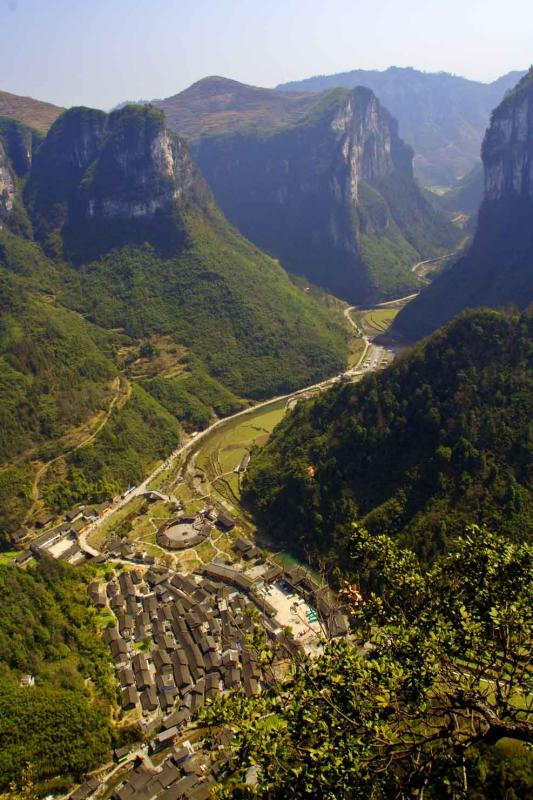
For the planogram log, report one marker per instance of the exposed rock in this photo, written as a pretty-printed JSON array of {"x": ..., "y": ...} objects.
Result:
[
  {"x": 7, "y": 185},
  {"x": 498, "y": 268},
  {"x": 508, "y": 147},
  {"x": 95, "y": 168},
  {"x": 442, "y": 116},
  {"x": 313, "y": 192}
]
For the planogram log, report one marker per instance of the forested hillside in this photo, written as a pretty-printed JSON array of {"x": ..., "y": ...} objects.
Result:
[
  {"x": 438, "y": 440},
  {"x": 129, "y": 306},
  {"x": 60, "y": 726}
]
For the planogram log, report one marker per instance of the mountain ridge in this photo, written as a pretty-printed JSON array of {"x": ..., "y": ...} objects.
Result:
[
  {"x": 127, "y": 270},
  {"x": 442, "y": 116},
  {"x": 37, "y": 114},
  {"x": 215, "y": 104},
  {"x": 437, "y": 441}
]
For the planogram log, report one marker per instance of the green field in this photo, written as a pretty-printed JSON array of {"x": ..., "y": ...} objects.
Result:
[
  {"x": 379, "y": 320},
  {"x": 356, "y": 350},
  {"x": 222, "y": 451}
]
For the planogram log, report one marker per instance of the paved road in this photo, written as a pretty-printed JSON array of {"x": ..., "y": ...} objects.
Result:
[
  {"x": 421, "y": 274},
  {"x": 372, "y": 354},
  {"x": 142, "y": 488}
]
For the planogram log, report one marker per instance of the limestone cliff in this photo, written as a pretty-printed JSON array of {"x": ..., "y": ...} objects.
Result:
[
  {"x": 100, "y": 179},
  {"x": 141, "y": 169},
  {"x": 332, "y": 195},
  {"x": 7, "y": 186},
  {"x": 17, "y": 143},
  {"x": 508, "y": 146},
  {"x": 498, "y": 269}
]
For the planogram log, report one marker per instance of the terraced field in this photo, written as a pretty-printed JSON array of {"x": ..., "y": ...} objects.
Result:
[
  {"x": 223, "y": 451},
  {"x": 379, "y": 320}
]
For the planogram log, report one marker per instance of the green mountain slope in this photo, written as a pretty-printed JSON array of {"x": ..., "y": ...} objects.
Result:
[
  {"x": 332, "y": 196},
  {"x": 438, "y": 440},
  {"x": 136, "y": 307},
  {"x": 442, "y": 116},
  {"x": 61, "y": 726},
  {"x": 498, "y": 269}
]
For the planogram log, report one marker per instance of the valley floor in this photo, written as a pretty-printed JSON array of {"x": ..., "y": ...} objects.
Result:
[{"x": 203, "y": 477}]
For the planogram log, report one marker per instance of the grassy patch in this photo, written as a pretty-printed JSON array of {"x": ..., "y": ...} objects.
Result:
[
  {"x": 8, "y": 557},
  {"x": 357, "y": 348},
  {"x": 379, "y": 320}
]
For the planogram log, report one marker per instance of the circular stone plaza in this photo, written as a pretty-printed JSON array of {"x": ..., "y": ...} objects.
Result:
[{"x": 183, "y": 532}]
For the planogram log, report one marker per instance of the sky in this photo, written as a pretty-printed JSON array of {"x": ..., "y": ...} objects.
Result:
[{"x": 101, "y": 52}]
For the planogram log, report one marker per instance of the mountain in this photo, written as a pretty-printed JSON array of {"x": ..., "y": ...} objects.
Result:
[
  {"x": 437, "y": 441},
  {"x": 220, "y": 105},
  {"x": 331, "y": 195},
  {"x": 467, "y": 194},
  {"x": 442, "y": 116},
  {"x": 498, "y": 268},
  {"x": 31, "y": 112},
  {"x": 135, "y": 307}
]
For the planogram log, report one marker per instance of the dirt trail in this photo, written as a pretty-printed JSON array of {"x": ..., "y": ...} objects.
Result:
[{"x": 120, "y": 398}]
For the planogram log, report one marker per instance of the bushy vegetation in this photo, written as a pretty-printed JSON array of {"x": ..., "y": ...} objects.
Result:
[
  {"x": 15, "y": 497},
  {"x": 55, "y": 369},
  {"x": 136, "y": 435},
  {"x": 193, "y": 397},
  {"x": 61, "y": 725},
  {"x": 438, "y": 440},
  {"x": 233, "y": 307},
  {"x": 444, "y": 676}
]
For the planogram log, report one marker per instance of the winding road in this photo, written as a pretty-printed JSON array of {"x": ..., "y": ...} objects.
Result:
[{"x": 376, "y": 353}]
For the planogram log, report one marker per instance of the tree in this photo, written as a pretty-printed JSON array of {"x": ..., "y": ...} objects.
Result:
[{"x": 446, "y": 668}]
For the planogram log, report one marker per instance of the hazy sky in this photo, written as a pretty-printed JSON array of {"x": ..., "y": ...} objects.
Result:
[{"x": 99, "y": 52}]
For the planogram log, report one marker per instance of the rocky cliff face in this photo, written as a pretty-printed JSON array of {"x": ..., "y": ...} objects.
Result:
[
  {"x": 498, "y": 269},
  {"x": 365, "y": 139},
  {"x": 442, "y": 116},
  {"x": 141, "y": 169},
  {"x": 332, "y": 196},
  {"x": 508, "y": 146},
  {"x": 95, "y": 170},
  {"x": 7, "y": 185},
  {"x": 17, "y": 143}
]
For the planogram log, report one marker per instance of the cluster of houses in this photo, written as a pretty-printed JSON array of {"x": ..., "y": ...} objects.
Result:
[
  {"x": 178, "y": 640},
  {"x": 185, "y": 774}
]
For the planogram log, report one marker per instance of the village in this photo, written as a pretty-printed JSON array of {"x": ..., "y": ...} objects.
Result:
[
  {"x": 179, "y": 641},
  {"x": 192, "y": 605},
  {"x": 179, "y": 638}
]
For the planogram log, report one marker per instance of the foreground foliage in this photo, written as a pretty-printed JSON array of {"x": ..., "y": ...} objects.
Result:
[{"x": 445, "y": 675}]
